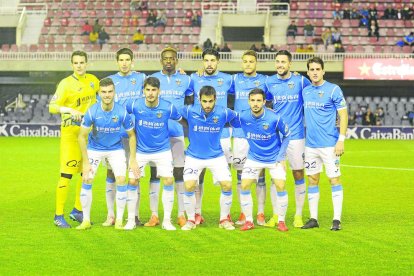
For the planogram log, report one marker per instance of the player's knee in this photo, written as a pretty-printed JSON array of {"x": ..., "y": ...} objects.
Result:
[
  {"x": 153, "y": 177},
  {"x": 334, "y": 181},
  {"x": 313, "y": 179},
  {"x": 178, "y": 174},
  {"x": 298, "y": 174},
  {"x": 190, "y": 186},
  {"x": 110, "y": 174},
  {"x": 280, "y": 186},
  {"x": 120, "y": 180},
  {"x": 168, "y": 181},
  {"x": 245, "y": 185},
  {"x": 66, "y": 175},
  {"x": 225, "y": 186}
]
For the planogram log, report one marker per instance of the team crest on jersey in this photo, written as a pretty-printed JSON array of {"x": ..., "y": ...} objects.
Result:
[
  {"x": 257, "y": 83},
  {"x": 159, "y": 114},
  {"x": 133, "y": 81},
  {"x": 92, "y": 85},
  {"x": 178, "y": 82},
  {"x": 215, "y": 119},
  {"x": 320, "y": 93},
  {"x": 265, "y": 126},
  {"x": 220, "y": 82},
  {"x": 291, "y": 85},
  {"x": 115, "y": 119}
]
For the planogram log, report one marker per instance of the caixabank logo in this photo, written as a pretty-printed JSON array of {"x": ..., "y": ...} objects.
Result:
[
  {"x": 381, "y": 133},
  {"x": 29, "y": 130}
]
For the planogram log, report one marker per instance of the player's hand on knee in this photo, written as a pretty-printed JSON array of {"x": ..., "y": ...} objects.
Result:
[
  {"x": 86, "y": 172},
  {"x": 133, "y": 166}
]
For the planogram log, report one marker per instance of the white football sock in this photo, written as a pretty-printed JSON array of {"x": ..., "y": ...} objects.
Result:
[
  {"x": 313, "y": 199},
  {"x": 168, "y": 201},
  {"x": 282, "y": 205},
  {"x": 246, "y": 203},
  {"x": 189, "y": 204},
  {"x": 300, "y": 192},
  {"x": 154, "y": 197},
  {"x": 261, "y": 194},
  {"x": 199, "y": 197},
  {"x": 121, "y": 196},
  {"x": 179, "y": 187},
  {"x": 110, "y": 196},
  {"x": 273, "y": 198},
  {"x": 132, "y": 197},
  {"x": 138, "y": 200},
  {"x": 86, "y": 200},
  {"x": 226, "y": 199},
  {"x": 337, "y": 199}
]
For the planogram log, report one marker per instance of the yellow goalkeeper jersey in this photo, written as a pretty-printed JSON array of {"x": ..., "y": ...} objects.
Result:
[{"x": 76, "y": 92}]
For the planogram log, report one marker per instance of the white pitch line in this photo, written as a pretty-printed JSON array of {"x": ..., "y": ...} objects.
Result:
[{"x": 379, "y": 168}]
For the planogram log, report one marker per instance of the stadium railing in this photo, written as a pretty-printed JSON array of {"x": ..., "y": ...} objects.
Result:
[{"x": 233, "y": 56}]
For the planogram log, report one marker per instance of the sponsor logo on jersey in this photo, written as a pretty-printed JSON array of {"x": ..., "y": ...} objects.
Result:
[
  {"x": 115, "y": 118},
  {"x": 291, "y": 84},
  {"x": 265, "y": 126},
  {"x": 215, "y": 119},
  {"x": 220, "y": 82},
  {"x": 159, "y": 114}
]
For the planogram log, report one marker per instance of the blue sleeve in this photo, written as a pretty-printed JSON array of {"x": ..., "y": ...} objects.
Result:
[
  {"x": 231, "y": 89},
  {"x": 190, "y": 90},
  {"x": 129, "y": 106},
  {"x": 338, "y": 98},
  {"x": 128, "y": 123},
  {"x": 174, "y": 114},
  {"x": 87, "y": 121},
  {"x": 305, "y": 82},
  {"x": 283, "y": 129},
  {"x": 269, "y": 95},
  {"x": 230, "y": 115},
  {"x": 235, "y": 122}
]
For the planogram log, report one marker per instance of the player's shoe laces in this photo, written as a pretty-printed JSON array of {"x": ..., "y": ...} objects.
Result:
[
  {"x": 138, "y": 222},
  {"x": 118, "y": 224},
  {"x": 260, "y": 219},
  {"x": 190, "y": 225},
  {"x": 311, "y": 223},
  {"x": 272, "y": 221},
  {"x": 281, "y": 226},
  {"x": 241, "y": 220},
  {"x": 130, "y": 225},
  {"x": 154, "y": 221},
  {"x": 181, "y": 221},
  {"x": 199, "y": 219},
  {"x": 298, "y": 222},
  {"x": 225, "y": 224},
  {"x": 336, "y": 225},
  {"x": 84, "y": 225},
  {"x": 76, "y": 215},
  {"x": 247, "y": 226},
  {"x": 110, "y": 221},
  {"x": 60, "y": 222},
  {"x": 167, "y": 225}
]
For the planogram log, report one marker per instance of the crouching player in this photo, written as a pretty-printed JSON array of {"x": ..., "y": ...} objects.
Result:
[
  {"x": 267, "y": 149},
  {"x": 106, "y": 119}
]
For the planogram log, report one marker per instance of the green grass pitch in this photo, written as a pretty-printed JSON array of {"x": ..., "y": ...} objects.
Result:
[{"x": 377, "y": 236}]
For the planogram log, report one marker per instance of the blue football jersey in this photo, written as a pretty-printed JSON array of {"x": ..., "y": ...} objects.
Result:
[
  {"x": 151, "y": 124},
  {"x": 204, "y": 131},
  {"x": 242, "y": 87},
  {"x": 106, "y": 131},
  {"x": 321, "y": 104},
  {"x": 222, "y": 83},
  {"x": 128, "y": 87},
  {"x": 174, "y": 89},
  {"x": 263, "y": 135},
  {"x": 286, "y": 96}
]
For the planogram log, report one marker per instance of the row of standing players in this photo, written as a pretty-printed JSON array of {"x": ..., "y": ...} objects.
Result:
[{"x": 257, "y": 141}]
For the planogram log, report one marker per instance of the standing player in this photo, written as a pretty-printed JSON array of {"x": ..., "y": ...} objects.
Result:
[
  {"x": 205, "y": 125},
  {"x": 285, "y": 97},
  {"x": 267, "y": 150},
  {"x": 223, "y": 84},
  {"x": 243, "y": 84},
  {"x": 151, "y": 128},
  {"x": 174, "y": 89},
  {"x": 128, "y": 86},
  {"x": 324, "y": 145},
  {"x": 73, "y": 96},
  {"x": 107, "y": 118}
]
